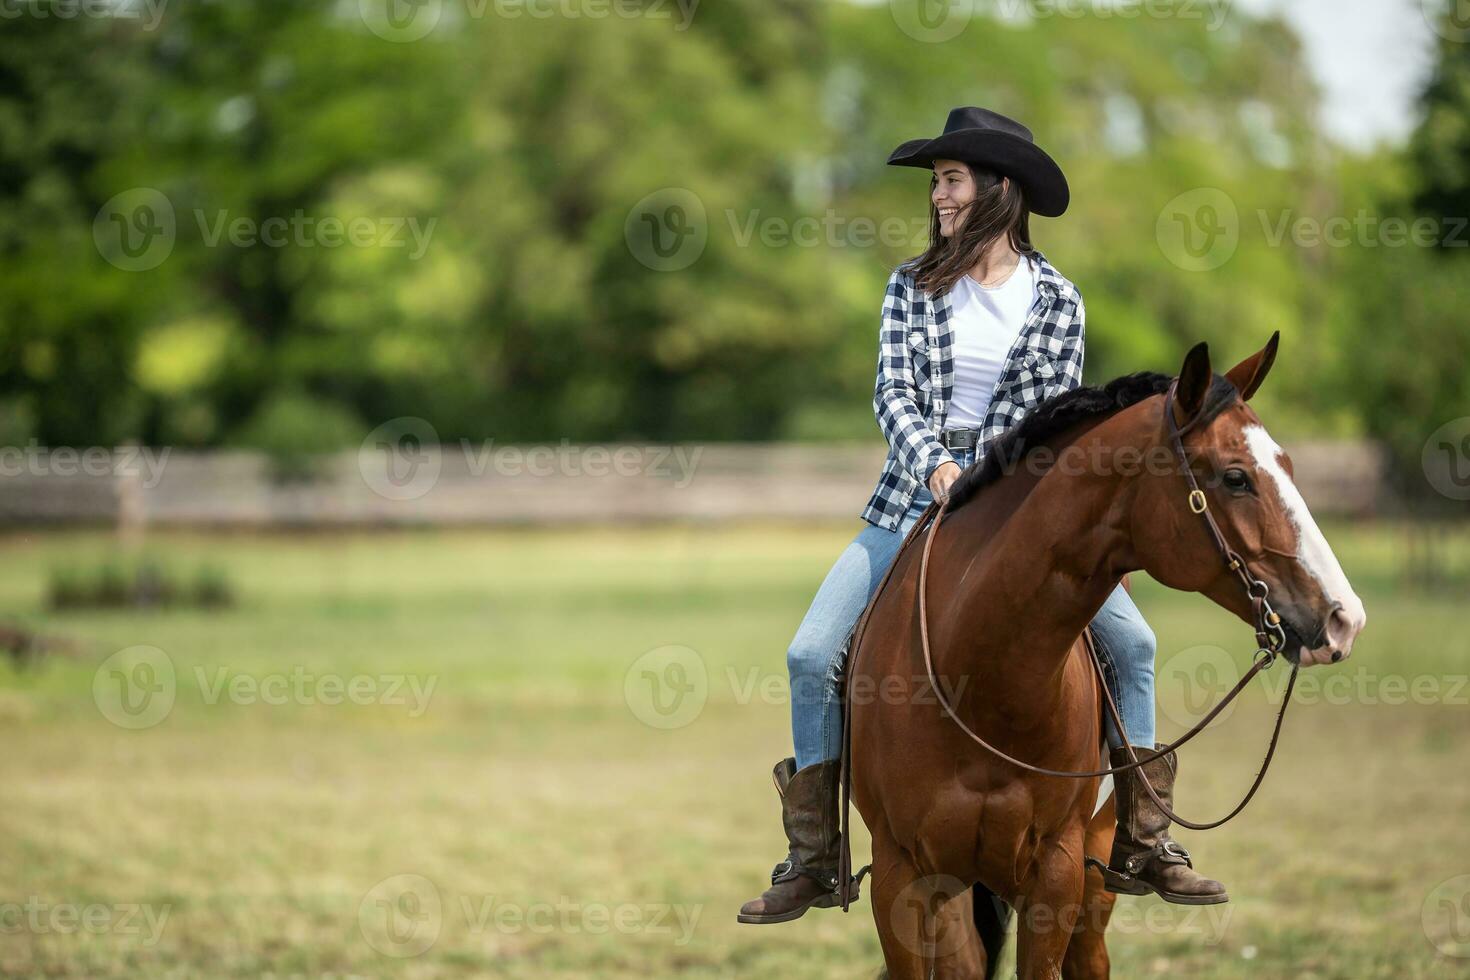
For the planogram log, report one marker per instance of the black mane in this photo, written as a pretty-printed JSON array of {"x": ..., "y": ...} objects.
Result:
[{"x": 1062, "y": 412}]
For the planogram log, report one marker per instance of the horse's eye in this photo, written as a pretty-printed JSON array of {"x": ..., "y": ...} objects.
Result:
[{"x": 1237, "y": 481}]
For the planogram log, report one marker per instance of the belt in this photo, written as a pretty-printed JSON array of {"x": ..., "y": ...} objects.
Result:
[{"x": 959, "y": 438}]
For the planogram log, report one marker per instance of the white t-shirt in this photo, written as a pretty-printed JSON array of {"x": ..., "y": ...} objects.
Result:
[{"x": 986, "y": 322}]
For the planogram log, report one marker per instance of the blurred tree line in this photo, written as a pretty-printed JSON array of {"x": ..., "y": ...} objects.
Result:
[{"x": 520, "y": 145}]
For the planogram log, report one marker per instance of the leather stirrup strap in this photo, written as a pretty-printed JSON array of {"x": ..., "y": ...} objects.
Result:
[{"x": 845, "y": 880}]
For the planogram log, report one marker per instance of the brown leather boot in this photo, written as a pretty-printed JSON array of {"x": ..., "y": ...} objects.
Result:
[
  {"x": 1145, "y": 858},
  {"x": 808, "y": 877}
]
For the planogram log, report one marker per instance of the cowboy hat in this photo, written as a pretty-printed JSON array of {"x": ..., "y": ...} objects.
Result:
[{"x": 997, "y": 143}]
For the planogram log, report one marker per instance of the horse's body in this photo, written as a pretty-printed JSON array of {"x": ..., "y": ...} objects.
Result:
[
  {"x": 1015, "y": 574},
  {"x": 1006, "y": 641}
]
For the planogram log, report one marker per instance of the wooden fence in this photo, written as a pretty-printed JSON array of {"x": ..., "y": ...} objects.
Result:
[{"x": 548, "y": 484}]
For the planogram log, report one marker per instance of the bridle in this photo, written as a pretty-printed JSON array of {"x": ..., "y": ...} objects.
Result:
[{"x": 1270, "y": 640}]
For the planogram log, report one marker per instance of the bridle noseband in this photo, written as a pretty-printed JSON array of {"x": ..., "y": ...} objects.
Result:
[{"x": 1270, "y": 634}]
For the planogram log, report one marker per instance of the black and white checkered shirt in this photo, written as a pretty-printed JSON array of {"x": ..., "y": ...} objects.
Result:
[{"x": 916, "y": 376}]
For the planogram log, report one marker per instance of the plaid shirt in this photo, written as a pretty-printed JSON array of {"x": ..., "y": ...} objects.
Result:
[{"x": 915, "y": 378}]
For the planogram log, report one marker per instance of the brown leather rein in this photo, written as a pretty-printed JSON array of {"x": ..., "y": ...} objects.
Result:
[{"x": 1270, "y": 639}]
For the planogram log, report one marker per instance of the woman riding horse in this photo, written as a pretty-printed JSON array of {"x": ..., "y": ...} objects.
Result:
[{"x": 976, "y": 331}]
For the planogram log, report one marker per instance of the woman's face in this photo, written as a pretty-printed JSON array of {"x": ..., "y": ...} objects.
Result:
[{"x": 954, "y": 187}]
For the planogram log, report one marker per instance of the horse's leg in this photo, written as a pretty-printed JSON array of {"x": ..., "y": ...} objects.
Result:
[
  {"x": 902, "y": 925},
  {"x": 924, "y": 921},
  {"x": 1048, "y": 908},
  {"x": 959, "y": 953},
  {"x": 1087, "y": 954}
]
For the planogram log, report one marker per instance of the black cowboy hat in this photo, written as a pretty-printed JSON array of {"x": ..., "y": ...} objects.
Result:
[{"x": 997, "y": 143}]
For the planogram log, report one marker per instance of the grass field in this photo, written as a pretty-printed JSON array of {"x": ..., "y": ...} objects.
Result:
[{"x": 502, "y": 791}]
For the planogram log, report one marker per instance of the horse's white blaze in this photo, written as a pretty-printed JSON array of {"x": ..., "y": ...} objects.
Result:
[{"x": 1312, "y": 548}]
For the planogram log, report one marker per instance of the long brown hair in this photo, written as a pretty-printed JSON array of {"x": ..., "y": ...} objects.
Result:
[{"x": 999, "y": 208}]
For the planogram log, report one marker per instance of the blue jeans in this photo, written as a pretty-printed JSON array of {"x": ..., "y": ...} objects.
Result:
[{"x": 1126, "y": 643}]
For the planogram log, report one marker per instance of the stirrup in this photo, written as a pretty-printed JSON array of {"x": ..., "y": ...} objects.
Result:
[{"x": 789, "y": 869}]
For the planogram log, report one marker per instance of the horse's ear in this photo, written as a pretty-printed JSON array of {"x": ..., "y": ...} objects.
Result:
[
  {"x": 1194, "y": 382},
  {"x": 1249, "y": 373}
]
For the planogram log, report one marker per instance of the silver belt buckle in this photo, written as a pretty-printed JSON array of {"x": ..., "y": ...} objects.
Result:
[{"x": 965, "y": 438}]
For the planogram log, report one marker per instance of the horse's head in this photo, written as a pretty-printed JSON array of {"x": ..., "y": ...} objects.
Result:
[{"x": 1248, "y": 488}]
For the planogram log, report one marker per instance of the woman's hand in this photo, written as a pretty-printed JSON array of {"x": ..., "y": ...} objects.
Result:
[{"x": 944, "y": 474}]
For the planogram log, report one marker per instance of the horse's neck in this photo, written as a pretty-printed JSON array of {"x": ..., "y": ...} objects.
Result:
[{"x": 1029, "y": 562}]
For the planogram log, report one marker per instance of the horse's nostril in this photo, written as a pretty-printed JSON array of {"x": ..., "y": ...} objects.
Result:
[{"x": 1338, "y": 632}]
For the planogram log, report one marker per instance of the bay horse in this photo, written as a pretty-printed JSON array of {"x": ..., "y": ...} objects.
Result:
[{"x": 1034, "y": 537}]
